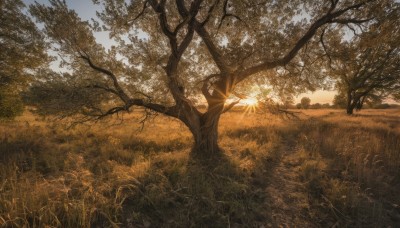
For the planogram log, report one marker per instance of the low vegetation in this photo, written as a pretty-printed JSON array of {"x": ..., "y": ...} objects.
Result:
[{"x": 324, "y": 169}]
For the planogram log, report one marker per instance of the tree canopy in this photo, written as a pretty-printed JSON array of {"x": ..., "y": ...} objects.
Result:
[
  {"x": 305, "y": 102},
  {"x": 367, "y": 68},
  {"x": 23, "y": 50},
  {"x": 172, "y": 55}
]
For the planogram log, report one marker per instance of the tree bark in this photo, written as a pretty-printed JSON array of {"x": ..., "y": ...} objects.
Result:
[
  {"x": 206, "y": 140},
  {"x": 205, "y": 133},
  {"x": 349, "y": 110},
  {"x": 350, "y": 104}
]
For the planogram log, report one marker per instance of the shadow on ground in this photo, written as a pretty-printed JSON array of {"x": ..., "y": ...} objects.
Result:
[
  {"x": 318, "y": 174},
  {"x": 196, "y": 194},
  {"x": 305, "y": 173}
]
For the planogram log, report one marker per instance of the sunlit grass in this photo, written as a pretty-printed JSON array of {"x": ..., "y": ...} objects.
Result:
[{"x": 121, "y": 175}]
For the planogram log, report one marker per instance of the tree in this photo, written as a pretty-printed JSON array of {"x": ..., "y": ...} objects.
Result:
[
  {"x": 305, "y": 102},
  {"x": 340, "y": 101},
  {"x": 367, "y": 67},
  {"x": 288, "y": 102},
  {"x": 22, "y": 51},
  {"x": 172, "y": 52},
  {"x": 374, "y": 75},
  {"x": 316, "y": 106},
  {"x": 326, "y": 105}
]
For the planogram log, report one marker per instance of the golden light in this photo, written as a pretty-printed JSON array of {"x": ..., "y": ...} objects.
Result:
[
  {"x": 251, "y": 104},
  {"x": 251, "y": 101}
]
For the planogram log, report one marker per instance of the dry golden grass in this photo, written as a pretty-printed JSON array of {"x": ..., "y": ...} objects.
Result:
[{"x": 325, "y": 169}]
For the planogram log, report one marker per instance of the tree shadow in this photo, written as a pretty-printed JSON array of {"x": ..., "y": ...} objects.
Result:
[{"x": 196, "y": 193}]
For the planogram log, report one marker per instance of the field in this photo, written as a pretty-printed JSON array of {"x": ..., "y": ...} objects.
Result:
[{"x": 325, "y": 169}]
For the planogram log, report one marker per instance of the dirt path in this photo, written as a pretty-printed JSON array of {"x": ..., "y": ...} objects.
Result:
[{"x": 288, "y": 198}]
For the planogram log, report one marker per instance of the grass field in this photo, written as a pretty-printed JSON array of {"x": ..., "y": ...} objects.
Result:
[{"x": 325, "y": 169}]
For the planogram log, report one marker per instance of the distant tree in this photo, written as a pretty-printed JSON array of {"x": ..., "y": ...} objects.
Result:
[
  {"x": 368, "y": 66},
  {"x": 305, "y": 102},
  {"x": 22, "y": 50},
  {"x": 316, "y": 106},
  {"x": 382, "y": 106},
  {"x": 198, "y": 48},
  {"x": 326, "y": 105},
  {"x": 298, "y": 105},
  {"x": 395, "y": 106},
  {"x": 340, "y": 100}
]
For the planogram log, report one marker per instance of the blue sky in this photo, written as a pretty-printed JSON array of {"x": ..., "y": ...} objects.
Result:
[{"x": 86, "y": 10}]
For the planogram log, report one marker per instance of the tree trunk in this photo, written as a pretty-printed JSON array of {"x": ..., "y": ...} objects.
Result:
[
  {"x": 206, "y": 134},
  {"x": 350, "y": 104},
  {"x": 349, "y": 110},
  {"x": 206, "y": 141},
  {"x": 205, "y": 129}
]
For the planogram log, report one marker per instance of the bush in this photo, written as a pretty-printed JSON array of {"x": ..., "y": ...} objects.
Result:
[{"x": 10, "y": 104}]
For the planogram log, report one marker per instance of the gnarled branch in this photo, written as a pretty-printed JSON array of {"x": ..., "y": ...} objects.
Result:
[
  {"x": 230, "y": 106},
  {"x": 328, "y": 18},
  {"x": 120, "y": 92}
]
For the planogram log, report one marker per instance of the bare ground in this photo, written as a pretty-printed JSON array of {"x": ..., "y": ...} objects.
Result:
[{"x": 287, "y": 192}]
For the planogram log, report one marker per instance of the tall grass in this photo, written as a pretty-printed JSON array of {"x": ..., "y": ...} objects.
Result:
[
  {"x": 351, "y": 166},
  {"x": 119, "y": 176}
]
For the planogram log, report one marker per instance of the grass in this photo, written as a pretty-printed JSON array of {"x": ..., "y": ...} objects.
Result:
[{"x": 325, "y": 169}]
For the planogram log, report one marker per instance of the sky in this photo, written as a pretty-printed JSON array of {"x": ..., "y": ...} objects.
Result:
[
  {"x": 87, "y": 10},
  {"x": 319, "y": 96}
]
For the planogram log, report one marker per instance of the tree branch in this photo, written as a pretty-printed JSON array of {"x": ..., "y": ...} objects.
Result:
[
  {"x": 321, "y": 38},
  {"x": 160, "y": 9},
  {"x": 230, "y": 106},
  {"x": 210, "y": 11},
  {"x": 205, "y": 87},
  {"x": 104, "y": 88},
  {"x": 350, "y": 21},
  {"x": 219, "y": 60},
  {"x": 141, "y": 12},
  {"x": 226, "y": 14},
  {"x": 333, "y": 5},
  {"x": 120, "y": 92},
  {"x": 199, "y": 28},
  {"x": 329, "y": 17},
  {"x": 170, "y": 111}
]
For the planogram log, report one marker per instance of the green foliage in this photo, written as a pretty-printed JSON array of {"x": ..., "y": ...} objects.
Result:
[
  {"x": 305, "y": 102},
  {"x": 22, "y": 52},
  {"x": 340, "y": 101},
  {"x": 67, "y": 95},
  {"x": 161, "y": 59},
  {"x": 11, "y": 104},
  {"x": 367, "y": 67}
]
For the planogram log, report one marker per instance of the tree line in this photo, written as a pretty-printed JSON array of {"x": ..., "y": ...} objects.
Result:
[{"x": 337, "y": 103}]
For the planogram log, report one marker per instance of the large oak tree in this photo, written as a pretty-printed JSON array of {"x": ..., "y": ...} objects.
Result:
[{"x": 172, "y": 54}]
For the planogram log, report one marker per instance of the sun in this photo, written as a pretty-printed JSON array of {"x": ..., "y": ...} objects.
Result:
[{"x": 251, "y": 101}]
